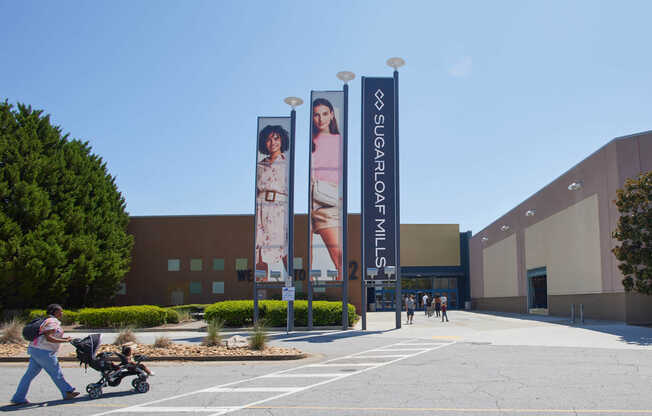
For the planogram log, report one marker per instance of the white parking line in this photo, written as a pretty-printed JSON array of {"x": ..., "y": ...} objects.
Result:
[
  {"x": 170, "y": 409},
  {"x": 330, "y": 377},
  {"x": 304, "y": 375},
  {"x": 344, "y": 365},
  {"x": 386, "y": 356},
  {"x": 400, "y": 349},
  {"x": 252, "y": 389}
]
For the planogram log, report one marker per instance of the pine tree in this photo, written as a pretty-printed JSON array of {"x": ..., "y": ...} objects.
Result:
[
  {"x": 634, "y": 231},
  {"x": 63, "y": 224}
]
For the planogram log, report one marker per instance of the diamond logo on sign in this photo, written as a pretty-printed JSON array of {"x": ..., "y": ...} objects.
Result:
[{"x": 379, "y": 100}]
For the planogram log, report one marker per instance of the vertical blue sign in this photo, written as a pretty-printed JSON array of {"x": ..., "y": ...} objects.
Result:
[{"x": 378, "y": 177}]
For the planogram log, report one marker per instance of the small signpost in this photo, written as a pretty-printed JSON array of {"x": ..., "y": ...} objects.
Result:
[{"x": 288, "y": 293}]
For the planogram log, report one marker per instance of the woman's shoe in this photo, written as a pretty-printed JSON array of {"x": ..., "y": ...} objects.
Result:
[{"x": 71, "y": 395}]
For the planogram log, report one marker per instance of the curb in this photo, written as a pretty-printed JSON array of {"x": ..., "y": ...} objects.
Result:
[
  {"x": 203, "y": 329},
  {"x": 184, "y": 358}
]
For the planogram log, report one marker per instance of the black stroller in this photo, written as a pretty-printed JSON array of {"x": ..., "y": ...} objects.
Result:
[{"x": 112, "y": 374}]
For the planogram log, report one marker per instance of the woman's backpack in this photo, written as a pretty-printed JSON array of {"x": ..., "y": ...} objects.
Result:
[{"x": 32, "y": 330}]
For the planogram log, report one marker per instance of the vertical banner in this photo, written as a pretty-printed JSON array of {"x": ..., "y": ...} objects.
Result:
[
  {"x": 379, "y": 220},
  {"x": 326, "y": 185},
  {"x": 272, "y": 202}
]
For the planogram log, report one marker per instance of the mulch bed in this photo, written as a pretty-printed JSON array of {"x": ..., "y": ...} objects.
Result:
[{"x": 177, "y": 351}]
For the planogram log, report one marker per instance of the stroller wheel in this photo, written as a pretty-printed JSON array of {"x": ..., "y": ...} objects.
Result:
[
  {"x": 95, "y": 393},
  {"x": 89, "y": 388},
  {"x": 135, "y": 382},
  {"x": 142, "y": 386}
]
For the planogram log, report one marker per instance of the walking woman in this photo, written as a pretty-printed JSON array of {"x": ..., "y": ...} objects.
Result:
[
  {"x": 325, "y": 180},
  {"x": 43, "y": 356}
]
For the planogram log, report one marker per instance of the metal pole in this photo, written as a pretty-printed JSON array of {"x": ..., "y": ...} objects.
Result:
[
  {"x": 582, "y": 313},
  {"x": 572, "y": 313},
  {"x": 309, "y": 303},
  {"x": 255, "y": 297},
  {"x": 345, "y": 216},
  {"x": 398, "y": 205},
  {"x": 290, "y": 257},
  {"x": 363, "y": 268}
]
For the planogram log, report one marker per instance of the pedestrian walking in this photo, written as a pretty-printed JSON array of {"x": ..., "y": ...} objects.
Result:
[
  {"x": 411, "y": 305},
  {"x": 43, "y": 356},
  {"x": 430, "y": 307},
  {"x": 444, "y": 308},
  {"x": 437, "y": 306},
  {"x": 425, "y": 304}
]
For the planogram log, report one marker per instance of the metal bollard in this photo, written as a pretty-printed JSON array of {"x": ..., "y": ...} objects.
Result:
[
  {"x": 572, "y": 314},
  {"x": 582, "y": 313}
]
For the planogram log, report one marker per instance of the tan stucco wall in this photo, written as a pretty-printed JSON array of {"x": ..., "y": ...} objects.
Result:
[
  {"x": 430, "y": 245},
  {"x": 500, "y": 269},
  {"x": 568, "y": 244}
]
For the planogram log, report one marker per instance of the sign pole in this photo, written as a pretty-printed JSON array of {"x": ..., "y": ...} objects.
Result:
[
  {"x": 398, "y": 204},
  {"x": 290, "y": 258},
  {"x": 344, "y": 266},
  {"x": 363, "y": 265}
]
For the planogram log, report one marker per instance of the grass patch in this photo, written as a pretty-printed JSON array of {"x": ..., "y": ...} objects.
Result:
[
  {"x": 124, "y": 336},
  {"x": 12, "y": 332},
  {"x": 162, "y": 342},
  {"x": 213, "y": 335},
  {"x": 258, "y": 339}
]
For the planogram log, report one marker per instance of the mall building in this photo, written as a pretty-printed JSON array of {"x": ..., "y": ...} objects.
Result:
[
  {"x": 554, "y": 250},
  {"x": 205, "y": 259},
  {"x": 550, "y": 252}
]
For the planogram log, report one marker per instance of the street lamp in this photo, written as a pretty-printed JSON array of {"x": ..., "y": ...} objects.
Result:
[
  {"x": 345, "y": 76},
  {"x": 293, "y": 102},
  {"x": 395, "y": 62}
]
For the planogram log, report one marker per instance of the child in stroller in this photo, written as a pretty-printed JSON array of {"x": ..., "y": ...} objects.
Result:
[{"x": 112, "y": 374}]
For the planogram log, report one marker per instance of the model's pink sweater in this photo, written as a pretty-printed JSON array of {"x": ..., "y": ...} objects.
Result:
[{"x": 326, "y": 163}]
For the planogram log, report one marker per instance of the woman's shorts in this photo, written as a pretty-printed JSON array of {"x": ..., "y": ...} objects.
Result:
[
  {"x": 410, "y": 312},
  {"x": 326, "y": 217}
]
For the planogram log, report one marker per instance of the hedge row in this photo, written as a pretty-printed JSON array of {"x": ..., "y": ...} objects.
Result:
[
  {"x": 139, "y": 316},
  {"x": 239, "y": 313}
]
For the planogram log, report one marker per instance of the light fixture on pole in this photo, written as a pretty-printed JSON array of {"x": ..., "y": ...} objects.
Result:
[
  {"x": 395, "y": 62},
  {"x": 345, "y": 76},
  {"x": 575, "y": 186},
  {"x": 530, "y": 212},
  {"x": 293, "y": 101}
]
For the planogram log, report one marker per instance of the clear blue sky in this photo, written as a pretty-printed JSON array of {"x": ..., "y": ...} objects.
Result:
[{"x": 497, "y": 98}]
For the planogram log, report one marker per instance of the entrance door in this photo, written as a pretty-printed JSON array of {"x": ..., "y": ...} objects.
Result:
[{"x": 538, "y": 288}]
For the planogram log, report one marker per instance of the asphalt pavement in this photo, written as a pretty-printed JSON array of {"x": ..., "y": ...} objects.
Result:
[{"x": 476, "y": 364}]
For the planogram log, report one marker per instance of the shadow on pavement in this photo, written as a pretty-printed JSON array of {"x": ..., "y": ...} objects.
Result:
[
  {"x": 52, "y": 403},
  {"x": 307, "y": 336},
  {"x": 629, "y": 334}
]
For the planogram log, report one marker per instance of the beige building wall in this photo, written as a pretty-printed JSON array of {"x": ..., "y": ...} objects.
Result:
[
  {"x": 500, "y": 269},
  {"x": 568, "y": 244},
  {"x": 430, "y": 244}
]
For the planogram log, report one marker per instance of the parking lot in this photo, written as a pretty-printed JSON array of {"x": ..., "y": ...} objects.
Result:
[{"x": 476, "y": 364}]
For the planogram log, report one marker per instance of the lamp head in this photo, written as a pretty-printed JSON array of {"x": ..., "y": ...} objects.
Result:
[
  {"x": 395, "y": 62},
  {"x": 346, "y": 76},
  {"x": 293, "y": 101}
]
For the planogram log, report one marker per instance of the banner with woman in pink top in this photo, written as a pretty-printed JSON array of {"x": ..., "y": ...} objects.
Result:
[{"x": 326, "y": 185}]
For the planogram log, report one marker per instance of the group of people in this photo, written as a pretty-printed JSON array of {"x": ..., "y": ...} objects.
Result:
[{"x": 438, "y": 305}]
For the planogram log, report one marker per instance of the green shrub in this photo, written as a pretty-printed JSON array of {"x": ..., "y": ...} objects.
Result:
[
  {"x": 171, "y": 316},
  {"x": 68, "y": 318},
  {"x": 239, "y": 313},
  {"x": 138, "y": 316}
]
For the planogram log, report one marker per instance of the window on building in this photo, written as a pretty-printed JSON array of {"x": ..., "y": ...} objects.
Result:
[
  {"x": 195, "y": 288},
  {"x": 218, "y": 287},
  {"x": 298, "y": 263},
  {"x": 196, "y": 265},
  {"x": 174, "y": 265},
  {"x": 241, "y": 264},
  {"x": 122, "y": 290},
  {"x": 218, "y": 265}
]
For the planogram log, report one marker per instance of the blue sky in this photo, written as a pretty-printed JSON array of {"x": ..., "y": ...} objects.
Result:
[{"x": 497, "y": 99}]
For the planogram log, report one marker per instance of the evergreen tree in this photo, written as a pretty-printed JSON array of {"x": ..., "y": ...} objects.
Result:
[
  {"x": 63, "y": 224},
  {"x": 634, "y": 231}
]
